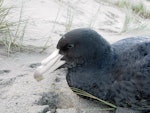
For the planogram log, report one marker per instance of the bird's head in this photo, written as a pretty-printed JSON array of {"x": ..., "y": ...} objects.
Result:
[{"x": 77, "y": 47}]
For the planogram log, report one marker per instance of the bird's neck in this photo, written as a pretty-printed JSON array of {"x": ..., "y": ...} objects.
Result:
[
  {"x": 102, "y": 60},
  {"x": 103, "y": 65}
]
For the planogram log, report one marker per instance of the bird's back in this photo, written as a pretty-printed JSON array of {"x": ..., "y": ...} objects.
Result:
[
  {"x": 132, "y": 72},
  {"x": 125, "y": 44}
]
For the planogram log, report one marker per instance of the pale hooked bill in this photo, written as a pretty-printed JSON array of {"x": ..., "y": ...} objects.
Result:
[{"x": 50, "y": 63}]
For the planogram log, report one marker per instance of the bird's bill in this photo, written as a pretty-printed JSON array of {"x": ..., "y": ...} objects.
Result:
[{"x": 51, "y": 63}]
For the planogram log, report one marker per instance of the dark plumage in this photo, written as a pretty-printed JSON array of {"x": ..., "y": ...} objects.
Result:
[{"x": 118, "y": 73}]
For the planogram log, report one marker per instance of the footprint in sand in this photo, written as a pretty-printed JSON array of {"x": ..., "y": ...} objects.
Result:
[
  {"x": 6, "y": 82},
  {"x": 4, "y": 71}
]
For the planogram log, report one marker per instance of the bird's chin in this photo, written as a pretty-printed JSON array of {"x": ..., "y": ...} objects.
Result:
[{"x": 50, "y": 63}]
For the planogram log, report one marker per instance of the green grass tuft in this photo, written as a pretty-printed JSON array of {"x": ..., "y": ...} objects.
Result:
[
  {"x": 137, "y": 15},
  {"x": 86, "y": 94},
  {"x": 12, "y": 33},
  {"x": 69, "y": 18},
  {"x": 138, "y": 8}
]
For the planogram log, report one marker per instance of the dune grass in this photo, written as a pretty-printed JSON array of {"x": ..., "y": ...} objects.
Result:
[
  {"x": 94, "y": 18},
  {"x": 138, "y": 8},
  {"x": 12, "y": 33},
  {"x": 69, "y": 19},
  {"x": 86, "y": 94},
  {"x": 3, "y": 14},
  {"x": 67, "y": 24},
  {"x": 137, "y": 16}
]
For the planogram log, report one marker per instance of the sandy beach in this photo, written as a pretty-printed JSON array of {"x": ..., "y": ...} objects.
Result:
[{"x": 47, "y": 20}]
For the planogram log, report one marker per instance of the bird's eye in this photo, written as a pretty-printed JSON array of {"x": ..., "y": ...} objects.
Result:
[
  {"x": 70, "y": 46},
  {"x": 67, "y": 47}
]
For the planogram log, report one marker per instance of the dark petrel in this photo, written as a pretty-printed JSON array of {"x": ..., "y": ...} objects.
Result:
[{"x": 118, "y": 73}]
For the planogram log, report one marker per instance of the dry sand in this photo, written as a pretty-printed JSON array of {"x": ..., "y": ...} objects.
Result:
[{"x": 19, "y": 92}]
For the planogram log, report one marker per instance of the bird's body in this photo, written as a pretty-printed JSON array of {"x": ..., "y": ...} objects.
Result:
[
  {"x": 118, "y": 73},
  {"x": 123, "y": 78}
]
